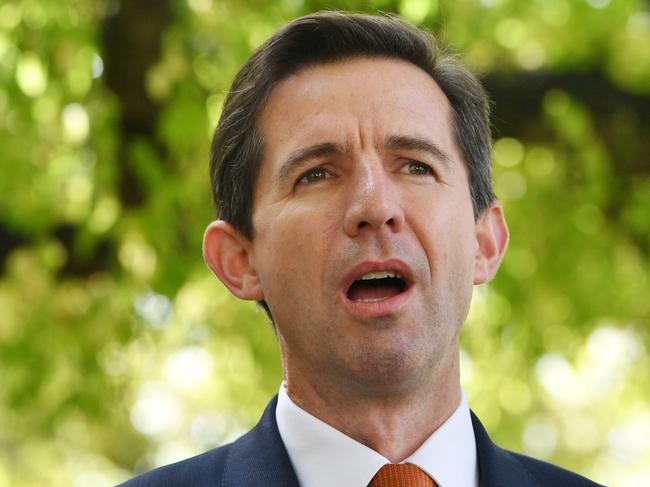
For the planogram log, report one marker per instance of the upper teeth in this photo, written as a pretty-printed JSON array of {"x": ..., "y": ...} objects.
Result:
[{"x": 379, "y": 275}]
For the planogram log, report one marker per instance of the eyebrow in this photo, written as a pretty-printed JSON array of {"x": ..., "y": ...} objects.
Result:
[
  {"x": 300, "y": 157},
  {"x": 407, "y": 142}
]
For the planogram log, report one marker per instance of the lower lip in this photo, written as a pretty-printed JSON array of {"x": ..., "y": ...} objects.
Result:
[{"x": 377, "y": 309}]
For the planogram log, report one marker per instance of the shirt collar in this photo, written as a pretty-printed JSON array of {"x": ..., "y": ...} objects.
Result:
[{"x": 323, "y": 456}]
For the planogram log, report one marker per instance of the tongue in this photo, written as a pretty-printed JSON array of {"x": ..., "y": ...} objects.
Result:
[{"x": 375, "y": 289}]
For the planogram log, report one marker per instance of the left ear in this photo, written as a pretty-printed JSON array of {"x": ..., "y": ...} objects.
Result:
[{"x": 492, "y": 238}]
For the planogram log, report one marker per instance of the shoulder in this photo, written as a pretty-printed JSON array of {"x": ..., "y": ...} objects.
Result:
[
  {"x": 547, "y": 474},
  {"x": 258, "y": 458},
  {"x": 500, "y": 468},
  {"x": 201, "y": 470}
]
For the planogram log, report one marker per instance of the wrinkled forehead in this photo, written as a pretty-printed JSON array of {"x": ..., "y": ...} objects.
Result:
[{"x": 343, "y": 101}]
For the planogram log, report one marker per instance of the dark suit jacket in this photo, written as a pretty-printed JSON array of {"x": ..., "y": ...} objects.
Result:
[{"x": 259, "y": 458}]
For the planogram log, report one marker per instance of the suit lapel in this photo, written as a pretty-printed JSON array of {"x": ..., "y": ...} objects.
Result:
[
  {"x": 259, "y": 458},
  {"x": 498, "y": 467}
]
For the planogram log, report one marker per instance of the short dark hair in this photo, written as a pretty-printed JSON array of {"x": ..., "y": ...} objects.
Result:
[{"x": 325, "y": 37}]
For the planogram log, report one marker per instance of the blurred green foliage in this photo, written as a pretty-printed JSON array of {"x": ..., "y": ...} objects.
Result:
[{"x": 119, "y": 351}]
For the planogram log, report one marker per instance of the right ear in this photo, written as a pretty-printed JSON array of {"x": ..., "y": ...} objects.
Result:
[{"x": 227, "y": 253}]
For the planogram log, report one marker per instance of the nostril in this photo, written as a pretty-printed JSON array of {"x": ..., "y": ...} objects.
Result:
[{"x": 363, "y": 223}]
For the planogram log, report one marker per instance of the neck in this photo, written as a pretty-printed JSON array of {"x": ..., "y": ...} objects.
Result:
[{"x": 393, "y": 424}]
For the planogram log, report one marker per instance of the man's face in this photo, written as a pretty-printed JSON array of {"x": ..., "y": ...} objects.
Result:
[{"x": 365, "y": 237}]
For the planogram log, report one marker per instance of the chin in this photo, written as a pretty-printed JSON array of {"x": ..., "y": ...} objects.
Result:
[{"x": 390, "y": 371}]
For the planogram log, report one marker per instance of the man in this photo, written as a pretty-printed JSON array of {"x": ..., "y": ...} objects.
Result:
[{"x": 351, "y": 168}]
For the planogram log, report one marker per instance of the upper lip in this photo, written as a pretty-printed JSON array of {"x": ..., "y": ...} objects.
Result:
[{"x": 395, "y": 265}]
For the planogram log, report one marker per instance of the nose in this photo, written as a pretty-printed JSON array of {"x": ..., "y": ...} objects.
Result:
[{"x": 374, "y": 202}]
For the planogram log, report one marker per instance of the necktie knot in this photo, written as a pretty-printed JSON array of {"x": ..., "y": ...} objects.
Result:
[{"x": 401, "y": 475}]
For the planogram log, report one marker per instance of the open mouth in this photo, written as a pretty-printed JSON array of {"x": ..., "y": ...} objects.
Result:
[{"x": 376, "y": 286}]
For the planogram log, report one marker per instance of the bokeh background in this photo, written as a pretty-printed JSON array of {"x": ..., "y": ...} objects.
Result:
[{"x": 118, "y": 349}]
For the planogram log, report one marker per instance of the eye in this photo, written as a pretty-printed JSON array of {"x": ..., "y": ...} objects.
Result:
[
  {"x": 314, "y": 175},
  {"x": 417, "y": 168}
]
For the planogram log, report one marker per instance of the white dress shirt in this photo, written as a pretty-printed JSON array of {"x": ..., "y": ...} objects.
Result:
[{"x": 322, "y": 456}]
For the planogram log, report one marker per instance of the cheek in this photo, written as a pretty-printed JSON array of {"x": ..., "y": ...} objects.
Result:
[
  {"x": 290, "y": 254},
  {"x": 462, "y": 250},
  {"x": 446, "y": 230}
]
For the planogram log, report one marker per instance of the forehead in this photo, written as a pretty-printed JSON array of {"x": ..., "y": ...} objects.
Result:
[{"x": 352, "y": 103}]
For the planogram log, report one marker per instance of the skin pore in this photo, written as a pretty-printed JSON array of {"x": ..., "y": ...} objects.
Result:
[{"x": 361, "y": 174}]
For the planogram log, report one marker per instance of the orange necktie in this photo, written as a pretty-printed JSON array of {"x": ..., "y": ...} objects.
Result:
[{"x": 401, "y": 475}]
